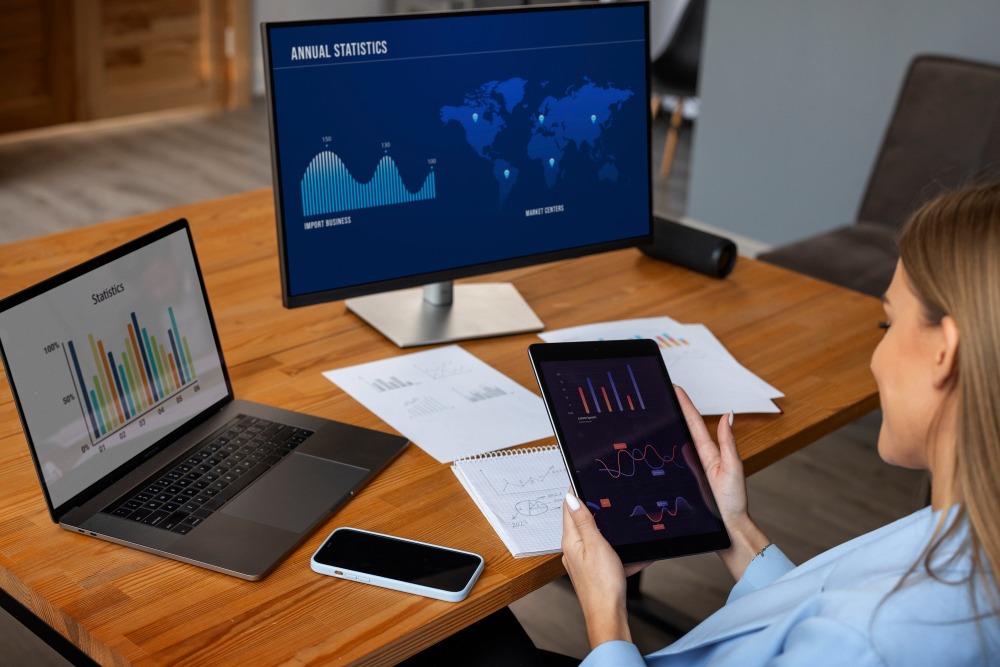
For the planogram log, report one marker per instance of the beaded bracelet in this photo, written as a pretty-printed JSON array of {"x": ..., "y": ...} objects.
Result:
[{"x": 761, "y": 552}]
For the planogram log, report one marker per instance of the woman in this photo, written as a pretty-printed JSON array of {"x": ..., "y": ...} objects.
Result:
[{"x": 921, "y": 590}]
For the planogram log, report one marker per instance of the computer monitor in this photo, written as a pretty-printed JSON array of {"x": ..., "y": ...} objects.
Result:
[{"x": 417, "y": 149}]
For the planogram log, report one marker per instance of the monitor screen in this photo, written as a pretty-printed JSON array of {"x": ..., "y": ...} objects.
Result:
[{"x": 419, "y": 148}]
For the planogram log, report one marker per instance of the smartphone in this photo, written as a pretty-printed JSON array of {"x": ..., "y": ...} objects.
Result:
[{"x": 397, "y": 563}]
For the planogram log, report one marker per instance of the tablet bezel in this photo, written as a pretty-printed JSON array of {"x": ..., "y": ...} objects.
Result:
[{"x": 633, "y": 552}]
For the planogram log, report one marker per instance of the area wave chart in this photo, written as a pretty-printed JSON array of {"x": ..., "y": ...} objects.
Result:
[{"x": 328, "y": 187}]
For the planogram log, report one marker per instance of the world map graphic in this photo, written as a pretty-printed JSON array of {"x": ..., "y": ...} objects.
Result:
[{"x": 557, "y": 130}]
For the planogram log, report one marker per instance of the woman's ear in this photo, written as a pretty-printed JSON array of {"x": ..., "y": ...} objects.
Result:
[{"x": 946, "y": 356}]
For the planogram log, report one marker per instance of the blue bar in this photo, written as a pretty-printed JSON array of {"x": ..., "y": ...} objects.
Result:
[
  {"x": 638, "y": 395},
  {"x": 181, "y": 359},
  {"x": 152, "y": 355},
  {"x": 93, "y": 397},
  {"x": 615, "y": 389},
  {"x": 142, "y": 351},
  {"x": 118, "y": 384},
  {"x": 593, "y": 394},
  {"x": 83, "y": 389},
  {"x": 128, "y": 391},
  {"x": 173, "y": 346}
]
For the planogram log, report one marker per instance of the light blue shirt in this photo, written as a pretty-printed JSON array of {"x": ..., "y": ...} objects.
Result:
[{"x": 836, "y": 609}]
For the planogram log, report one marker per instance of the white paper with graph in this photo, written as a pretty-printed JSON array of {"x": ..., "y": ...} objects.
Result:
[{"x": 521, "y": 492}]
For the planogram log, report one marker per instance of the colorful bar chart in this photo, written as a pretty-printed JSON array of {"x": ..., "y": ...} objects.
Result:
[
  {"x": 133, "y": 379},
  {"x": 328, "y": 187},
  {"x": 602, "y": 401}
]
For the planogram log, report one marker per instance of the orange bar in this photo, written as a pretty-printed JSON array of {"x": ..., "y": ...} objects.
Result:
[
  {"x": 140, "y": 365},
  {"x": 111, "y": 380},
  {"x": 606, "y": 401},
  {"x": 659, "y": 526},
  {"x": 173, "y": 368},
  {"x": 620, "y": 445},
  {"x": 584, "y": 399},
  {"x": 630, "y": 406}
]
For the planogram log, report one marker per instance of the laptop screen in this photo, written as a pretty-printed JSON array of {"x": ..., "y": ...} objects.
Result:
[{"x": 108, "y": 358}]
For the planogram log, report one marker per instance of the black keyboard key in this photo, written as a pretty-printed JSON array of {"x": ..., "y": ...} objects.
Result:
[
  {"x": 156, "y": 517},
  {"x": 140, "y": 514},
  {"x": 173, "y": 520},
  {"x": 181, "y": 528},
  {"x": 123, "y": 511}
]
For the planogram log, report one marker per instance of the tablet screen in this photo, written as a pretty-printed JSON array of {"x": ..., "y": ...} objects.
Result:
[{"x": 627, "y": 447}]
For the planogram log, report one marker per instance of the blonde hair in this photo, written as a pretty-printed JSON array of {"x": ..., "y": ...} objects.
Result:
[{"x": 950, "y": 249}]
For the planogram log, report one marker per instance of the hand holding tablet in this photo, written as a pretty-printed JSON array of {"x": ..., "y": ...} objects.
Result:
[{"x": 627, "y": 447}]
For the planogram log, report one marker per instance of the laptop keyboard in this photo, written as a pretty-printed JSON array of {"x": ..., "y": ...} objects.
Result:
[{"x": 225, "y": 463}]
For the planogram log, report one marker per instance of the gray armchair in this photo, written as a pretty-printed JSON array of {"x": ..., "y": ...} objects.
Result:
[{"x": 943, "y": 133}]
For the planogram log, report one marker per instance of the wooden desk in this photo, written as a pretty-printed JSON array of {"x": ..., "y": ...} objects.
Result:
[{"x": 810, "y": 339}]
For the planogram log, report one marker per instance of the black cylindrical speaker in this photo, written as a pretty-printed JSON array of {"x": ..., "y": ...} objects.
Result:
[{"x": 691, "y": 248}]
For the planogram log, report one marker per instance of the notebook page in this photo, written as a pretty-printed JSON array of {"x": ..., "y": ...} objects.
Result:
[{"x": 521, "y": 494}]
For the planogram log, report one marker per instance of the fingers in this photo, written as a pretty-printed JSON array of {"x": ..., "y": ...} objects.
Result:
[
  {"x": 727, "y": 443},
  {"x": 636, "y": 567},
  {"x": 707, "y": 451}
]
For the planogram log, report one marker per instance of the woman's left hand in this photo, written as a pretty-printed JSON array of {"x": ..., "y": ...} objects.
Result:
[{"x": 597, "y": 574}]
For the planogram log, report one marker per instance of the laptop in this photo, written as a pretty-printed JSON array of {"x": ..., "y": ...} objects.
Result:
[{"x": 118, "y": 375}]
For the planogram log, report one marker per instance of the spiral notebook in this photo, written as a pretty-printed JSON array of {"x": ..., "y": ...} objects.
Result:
[{"x": 520, "y": 491}]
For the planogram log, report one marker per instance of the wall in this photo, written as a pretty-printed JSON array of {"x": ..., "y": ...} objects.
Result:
[
  {"x": 795, "y": 96},
  {"x": 300, "y": 10}
]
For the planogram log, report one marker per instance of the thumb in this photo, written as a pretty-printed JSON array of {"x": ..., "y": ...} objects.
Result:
[{"x": 583, "y": 520}]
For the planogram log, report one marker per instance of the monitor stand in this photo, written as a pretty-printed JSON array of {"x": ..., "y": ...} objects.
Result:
[{"x": 444, "y": 312}]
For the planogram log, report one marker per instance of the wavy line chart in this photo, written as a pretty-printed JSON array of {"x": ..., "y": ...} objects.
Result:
[
  {"x": 655, "y": 462},
  {"x": 663, "y": 510},
  {"x": 504, "y": 486}
]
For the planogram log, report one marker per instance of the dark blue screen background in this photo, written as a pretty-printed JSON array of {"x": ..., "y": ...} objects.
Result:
[{"x": 433, "y": 62}]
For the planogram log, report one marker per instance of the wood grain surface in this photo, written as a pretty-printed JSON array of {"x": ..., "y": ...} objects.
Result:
[{"x": 808, "y": 338}]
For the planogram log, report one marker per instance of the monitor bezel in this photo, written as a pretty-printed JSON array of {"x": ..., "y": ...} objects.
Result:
[{"x": 290, "y": 300}]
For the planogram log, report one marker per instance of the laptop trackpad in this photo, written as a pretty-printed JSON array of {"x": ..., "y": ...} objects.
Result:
[{"x": 295, "y": 494}]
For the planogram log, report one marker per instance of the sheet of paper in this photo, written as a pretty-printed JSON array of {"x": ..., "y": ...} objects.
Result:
[
  {"x": 695, "y": 359},
  {"x": 447, "y": 402}
]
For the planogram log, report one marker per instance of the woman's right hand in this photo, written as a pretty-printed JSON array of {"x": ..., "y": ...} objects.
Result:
[{"x": 724, "y": 471}]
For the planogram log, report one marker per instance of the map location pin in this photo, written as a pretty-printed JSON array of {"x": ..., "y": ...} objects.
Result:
[
  {"x": 593, "y": 118},
  {"x": 475, "y": 118},
  {"x": 552, "y": 162},
  {"x": 541, "y": 118},
  {"x": 506, "y": 173}
]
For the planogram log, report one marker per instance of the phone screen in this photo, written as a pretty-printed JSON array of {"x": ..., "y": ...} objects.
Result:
[{"x": 402, "y": 560}]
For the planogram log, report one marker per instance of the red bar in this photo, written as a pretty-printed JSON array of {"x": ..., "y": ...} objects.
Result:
[
  {"x": 658, "y": 526},
  {"x": 620, "y": 445},
  {"x": 584, "y": 399},
  {"x": 605, "y": 502},
  {"x": 605, "y": 392},
  {"x": 630, "y": 406}
]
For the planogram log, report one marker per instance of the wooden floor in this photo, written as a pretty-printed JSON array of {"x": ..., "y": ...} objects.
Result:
[{"x": 833, "y": 490}]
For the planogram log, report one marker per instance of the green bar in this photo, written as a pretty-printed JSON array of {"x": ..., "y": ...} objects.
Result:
[
  {"x": 93, "y": 399},
  {"x": 101, "y": 380},
  {"x": 152, "y": 360},
  {"x": 136, "y": 398},
  {"x": 187, "y": 353},
  {"x": 167, "y": 369},
  {"x": 127, "y": 389},
  {"x": 100, "y": 401},
  {"x": 161, "y": 368}
]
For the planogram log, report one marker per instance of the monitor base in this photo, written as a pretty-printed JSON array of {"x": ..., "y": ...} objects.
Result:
[{"x": 479, "y": 310}]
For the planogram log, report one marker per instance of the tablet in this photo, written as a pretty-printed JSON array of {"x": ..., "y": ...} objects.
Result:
[{"x": 627, "y": 448}]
